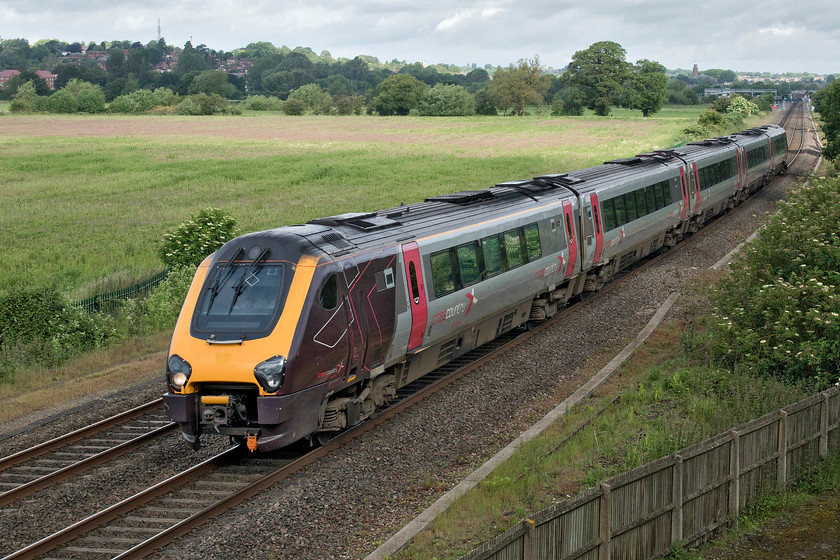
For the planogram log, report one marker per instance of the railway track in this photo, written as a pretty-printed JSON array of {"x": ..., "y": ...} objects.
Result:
[
  {"x": 154, "y": 517},
  {"x": 43, "y": 465}
]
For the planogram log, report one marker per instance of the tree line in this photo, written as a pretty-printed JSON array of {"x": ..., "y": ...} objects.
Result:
[{"x": 299, "y": 80}]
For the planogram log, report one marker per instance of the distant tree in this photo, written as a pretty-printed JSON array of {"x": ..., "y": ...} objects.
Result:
[
  {"x": 398, "y": 95},
  {"x": 212, "y": 81},
  {"x": 830, "y": 79},
  {"x": 190, "y": 60},
  {"x": 647, "y": 87},
  {"x": 446, "y": 100},
  {"x": 476, "y": 79},
  {"x": 516, "y": 87},
  {"x": 24, "y": 98},
  {"x": 89, "y": 97},
  {"x": 678, "y": 93},
  {"x": 294, "y": 106},
  {"x": 115, "y": 65},
  {"x": 599, "y": 74},
  {"x": 484, "y": 103},
  {"x": 726, "y": 77},
  {"x": 314, "y": 98},
  {"x": 827, "y": 104}
]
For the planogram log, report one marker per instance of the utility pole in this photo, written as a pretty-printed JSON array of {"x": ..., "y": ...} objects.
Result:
[{"x": 158, "y": 29}]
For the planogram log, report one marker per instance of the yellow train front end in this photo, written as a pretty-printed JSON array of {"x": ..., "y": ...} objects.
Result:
[{"x": 232, "y": 367}]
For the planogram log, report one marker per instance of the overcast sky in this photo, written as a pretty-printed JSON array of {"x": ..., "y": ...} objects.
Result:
[{"x": 740, "y": 35}]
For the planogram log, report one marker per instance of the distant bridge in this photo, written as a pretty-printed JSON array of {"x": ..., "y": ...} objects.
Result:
[{"x": 727, "y": 92}]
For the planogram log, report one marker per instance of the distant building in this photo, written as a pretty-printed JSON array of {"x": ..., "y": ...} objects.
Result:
[
  {"x": 695, "y": 72},
  {"x": 7, "y": 75},
  {"x": 48, "y": 77}
]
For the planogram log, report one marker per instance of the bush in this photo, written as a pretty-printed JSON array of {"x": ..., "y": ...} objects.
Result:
[
  {"x": 778, "y": 313},
  {"x": 203, "y": 104},
  {"x": 193, "y": 240},
  {"x": 446, "y": 100},
  {"x": 294, "y": 106},
  {"x": 349, "y": 104},
  {"x": 262, "y": 103},
  {"x": 37, "y": 327},
  {"x": 143, "y": 100},
  {"x": 160, "y": 309}
]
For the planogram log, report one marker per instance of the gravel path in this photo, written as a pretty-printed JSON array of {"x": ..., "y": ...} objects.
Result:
[{"x": 347, "y": 504}]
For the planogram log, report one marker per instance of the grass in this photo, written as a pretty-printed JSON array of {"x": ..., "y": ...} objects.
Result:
[
  {"x": 665, "y": 398},
  {"x": 87, "y": 198}
]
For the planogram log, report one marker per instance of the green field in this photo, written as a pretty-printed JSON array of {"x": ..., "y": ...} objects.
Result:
[{"x": 86, "y": 199}]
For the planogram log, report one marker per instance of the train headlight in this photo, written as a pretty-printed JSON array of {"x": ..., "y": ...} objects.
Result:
[
  {"x": 271, "y": 374},
  {"x": 178, "y": 370}
]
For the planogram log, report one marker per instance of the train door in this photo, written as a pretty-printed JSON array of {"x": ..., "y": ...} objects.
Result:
[
  {"x": 696, "y": 190},
  {"x": 416, "y": 294},
  {"x": 684, "y": 189},
  {"x": 356, "y": 318},
  {"x": 599, "y": 231},
  {"x": 571, "y": 234}
]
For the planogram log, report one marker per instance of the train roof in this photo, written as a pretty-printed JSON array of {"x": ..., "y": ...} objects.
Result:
[{"x": 437, "y": 214}]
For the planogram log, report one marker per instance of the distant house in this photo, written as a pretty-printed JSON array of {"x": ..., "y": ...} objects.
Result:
[
  {"x": 7, "y": 75},
  {"x": 48, "y": 77}
]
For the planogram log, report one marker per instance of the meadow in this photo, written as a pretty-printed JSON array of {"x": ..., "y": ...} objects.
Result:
[{"x": 86, "y": 199}]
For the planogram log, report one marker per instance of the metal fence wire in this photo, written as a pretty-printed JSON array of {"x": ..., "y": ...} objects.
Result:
[{"x": 110, "y": 301}]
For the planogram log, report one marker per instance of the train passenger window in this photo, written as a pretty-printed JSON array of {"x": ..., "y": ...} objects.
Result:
[
  {"x": 640, "y": 203},
  {"x": 650, "y": 200},
  {"x": 620, "y": 212},
  {"x": 630, "y": 205},
  {"x": 415, "y": 288},
  {"x": 666, "y": 192},
  {"x": 468, "y": 264},
  {"x": 609, "y": 215},
  {"x": 716, "y": 174},
  {"x": 532, "y": 241},
  {"x": 329, "y": 293},
  {"x": 442, "y": 273},
  {"x": 513, "y": 248},
  {"x": 492, "y": 256}
]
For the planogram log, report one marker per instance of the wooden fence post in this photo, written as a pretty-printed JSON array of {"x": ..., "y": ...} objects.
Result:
[
  {"x": 824, "y": 426},
  {"x": 781, "y": 477},
  {"x": 735, "y": 476},
  {"x": 605, "y": 522},
  {"x": 529, "y": 551},
  {"x": 677, "y": 499}
]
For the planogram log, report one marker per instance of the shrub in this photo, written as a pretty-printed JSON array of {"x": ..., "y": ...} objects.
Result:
[
  {"x": 192, "y": 241},
  {"x": 203, "y": 104},
  {"x": 37, "y": 327},
  {"x": 262, "y": 103},
  {"x": 446, "y": 100},
  {"x": 349, "y": 104},
  {"x": 779, "y": 312},
  {"x": 160, "y": 309}
]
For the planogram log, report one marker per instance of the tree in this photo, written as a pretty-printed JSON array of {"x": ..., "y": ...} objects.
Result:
[
  {"x": 398, "y": 95},
  {"x": 190, "y": 60},
  {"x": 446, "y": 100},
  {"x": 827, "y": 104},
  {"x": 647, "y": 87},
  {"x": 599, "y": 73},
  {"x": 313, "y": 98},
  {"x": 212, "y": 81},
  {"x": 24, "y": 98},
  {"x": 517, "y": 87}
]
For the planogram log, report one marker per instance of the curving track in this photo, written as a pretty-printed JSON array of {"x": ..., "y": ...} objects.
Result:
[{"x": 136, "y": 526}]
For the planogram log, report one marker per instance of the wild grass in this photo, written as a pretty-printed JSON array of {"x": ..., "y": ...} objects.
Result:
[
  {"x": 87, "y": 199},
  {"x": 668, "y": 397}
]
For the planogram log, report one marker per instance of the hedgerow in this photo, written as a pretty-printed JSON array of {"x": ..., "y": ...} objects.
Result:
[{"x": 779, "y": 311}]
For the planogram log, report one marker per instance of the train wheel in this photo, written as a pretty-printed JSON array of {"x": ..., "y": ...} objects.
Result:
[{"x": 323, "y": 438}]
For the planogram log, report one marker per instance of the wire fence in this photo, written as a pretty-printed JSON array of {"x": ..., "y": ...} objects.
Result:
[{"x": 110, "y": 301}]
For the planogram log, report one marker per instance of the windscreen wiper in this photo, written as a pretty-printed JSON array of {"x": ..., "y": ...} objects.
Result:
[
  {"x": 218, "y": 281},
  {"x": 239, "y": 287}
]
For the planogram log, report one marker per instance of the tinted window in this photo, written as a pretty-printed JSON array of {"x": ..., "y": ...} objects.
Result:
[
  {"x": 241, "y": 298},
  {"x": 468, "y": 264},
  {"x": 609, "y": 215},
  {"x": 513, "y": 249},
  {"x": 532, "y": 242},
  {"x": 492, "y": 256},
  {"x": 329, "y": 293},
  {"x": 640, "y": 203},
  {"x": 630, "y": 205},
  {"x": 442, "y": 273}
]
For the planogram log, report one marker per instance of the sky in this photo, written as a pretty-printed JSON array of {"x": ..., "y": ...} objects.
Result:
[{"x": 740, "y": 35}]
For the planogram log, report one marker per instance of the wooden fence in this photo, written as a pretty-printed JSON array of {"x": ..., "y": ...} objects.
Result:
[{"x": 681, "y": 498}]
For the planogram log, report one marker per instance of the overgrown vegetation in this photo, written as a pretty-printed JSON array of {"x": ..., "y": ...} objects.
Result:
[
  {"x": 40, "y": 328},
  {"x": 827, "y": 103},
  {"x": 779, "y": 311},
  {"x": 723, "y": 114}
]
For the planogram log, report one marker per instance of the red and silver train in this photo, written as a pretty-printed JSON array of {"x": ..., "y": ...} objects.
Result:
[{"x": 301, "y": 331}]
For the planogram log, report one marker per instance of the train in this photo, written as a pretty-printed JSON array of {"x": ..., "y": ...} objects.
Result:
[{"x": 299, "y": 332}]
